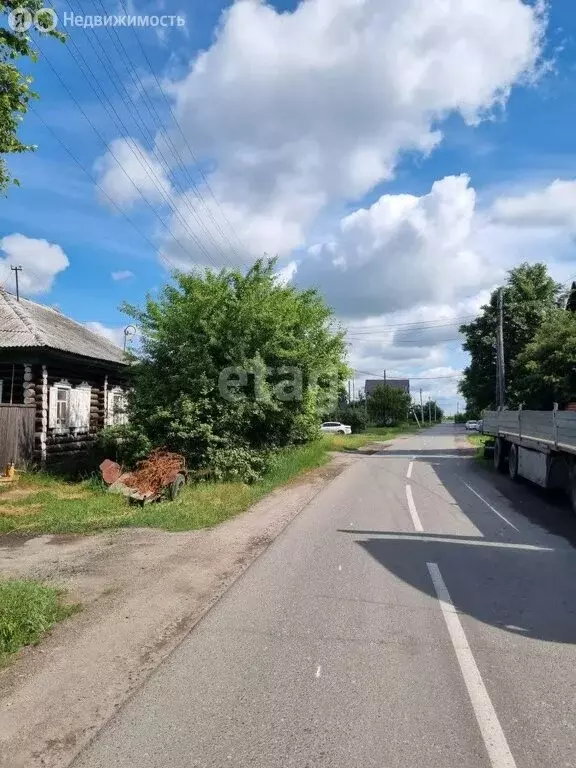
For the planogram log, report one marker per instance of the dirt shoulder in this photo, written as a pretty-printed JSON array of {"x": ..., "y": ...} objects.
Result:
[{"x": 142, "y": 590}]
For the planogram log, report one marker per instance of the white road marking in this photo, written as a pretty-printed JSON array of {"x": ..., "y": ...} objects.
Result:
[
  {"x": 319, "y": 671},
  {"x": 412, "y": 507},
  {"x": 490, "y": 728},
  {"x": 450, "y": 540},
  {"x": 500, "y": 515},
  {"x": 339, "y": 567},
  {"x": 409, "y": 472}
]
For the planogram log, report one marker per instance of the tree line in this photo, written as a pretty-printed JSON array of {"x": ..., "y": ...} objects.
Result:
[{"x": 539, "y": 329}]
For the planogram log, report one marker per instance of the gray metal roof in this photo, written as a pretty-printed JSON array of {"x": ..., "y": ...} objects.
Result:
[{"x": 26, "y": 324}]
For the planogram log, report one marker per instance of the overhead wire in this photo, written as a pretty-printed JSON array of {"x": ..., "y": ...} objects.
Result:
[
  {"x": 162, "y": 91},
  {"x": 153, "y": 113},
  {"x": 121, "y": 167},
  {"x": 143, "y": 161}
]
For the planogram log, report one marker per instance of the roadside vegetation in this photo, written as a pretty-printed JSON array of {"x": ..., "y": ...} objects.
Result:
[
  {"x": 539, "y": 345},
  {"x": 479, "y": 441},
  {"x": 28, "y": 610},
  {"x": 42, "y": 503}
]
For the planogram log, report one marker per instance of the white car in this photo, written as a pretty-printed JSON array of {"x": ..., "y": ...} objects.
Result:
[
  {"x": 473, "y": 425},
  {"x": 336, "y": 427}
]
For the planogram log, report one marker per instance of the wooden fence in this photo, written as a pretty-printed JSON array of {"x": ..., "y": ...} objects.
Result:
[{"x": 16, "y": 434}]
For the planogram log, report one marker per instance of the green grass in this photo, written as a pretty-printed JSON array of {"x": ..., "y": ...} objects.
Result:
[
  {"x": 55, "y": 506},
  {"x": 27, "y": 610},
  {"x": 372, "y": 435},
  {"x": 479, "y": 441}
]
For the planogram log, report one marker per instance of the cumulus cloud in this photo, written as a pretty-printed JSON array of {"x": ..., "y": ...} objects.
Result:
[
  {"x": 123, "y": 274},
  {"x": 552, "y": 207},
  {"x": 128, "y": 173},
  {"x": 40, "y": 260},
  {"x": 115, "y": 335},
  {"x": 299, "y": 110},
  {"x": 402, "y": 252}
]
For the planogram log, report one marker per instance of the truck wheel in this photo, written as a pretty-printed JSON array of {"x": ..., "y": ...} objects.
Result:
[
  {"x": 500, "y": 454},
  {"x": 513, "y": 462}
]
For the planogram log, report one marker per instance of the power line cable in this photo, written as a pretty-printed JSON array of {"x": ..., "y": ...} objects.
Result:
[
  {"x": 103, "y": 191},
  {"x": 137, "y": 82},
  {"x": 120, "y": 165},
  {"x": 142, "y": 160},
  {"x": 183, "y": 135},
  {"x": 189, "y": 148}
]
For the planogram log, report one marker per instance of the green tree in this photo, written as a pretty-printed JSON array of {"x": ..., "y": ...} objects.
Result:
[
  {"x": 15, "y": 90},
  {"x": 546, "y": 370},
  {"x": 234, "y": 362},
  {"x": 530, "y": 293},
  {"x": 388, "y": 405}
]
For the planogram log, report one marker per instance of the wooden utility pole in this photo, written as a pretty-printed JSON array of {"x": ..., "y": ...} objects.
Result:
[
  {"x": 16, "y": 270},
  {"x": 430, "y": 411},
  {"x": 500, "y": 366}
]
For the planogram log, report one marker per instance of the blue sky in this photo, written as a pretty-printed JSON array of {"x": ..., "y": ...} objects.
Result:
[{"x": 508, "y": 152}]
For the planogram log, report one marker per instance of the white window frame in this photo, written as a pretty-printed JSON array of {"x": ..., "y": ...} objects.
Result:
[{"x": 54, "y": 424}]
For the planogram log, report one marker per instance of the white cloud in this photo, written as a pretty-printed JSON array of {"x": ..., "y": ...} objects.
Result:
[
  {"x": 123, "y": 274},
  {"x": 128, "y": 173},
  {"x": 306, "y": 109},
  {"x": 402, "y": 252},
  {"x": 551, "y": 207},
  {"x": 40, "y": 260},
  {"x": 115, "y": 335}
]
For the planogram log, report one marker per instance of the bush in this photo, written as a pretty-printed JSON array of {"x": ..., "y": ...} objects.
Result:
[
  {"x": 27, "y": 610},
  {"x": 242, "y": 465},
  {"x": 355, "y": 417},
  {"x": 123, "y": 443}
]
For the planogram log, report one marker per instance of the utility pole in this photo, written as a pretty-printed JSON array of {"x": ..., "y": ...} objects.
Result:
[
  {"x": 500, "y": 367},
  {"x": 435, "y": 411},
  {"x": 16, "y": 270},
  {"x": 429, "y": 411},
  {"x": 421, "y": 406},
  {"x": 353, "y": 392},
  {"x": 349, "y": 393}
]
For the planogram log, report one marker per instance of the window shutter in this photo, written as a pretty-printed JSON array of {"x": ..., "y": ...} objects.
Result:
[
  {"x": 109, "y": 420},
  {"x": 80, "y": 408},
  {"x": 52, "y": 406}
]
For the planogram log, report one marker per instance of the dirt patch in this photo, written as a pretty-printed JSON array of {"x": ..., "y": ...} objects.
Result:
[
  {"x": 12, "y": 509},
  {"x": 17, "y": 493},
  {"x": 142, "y": 591}
]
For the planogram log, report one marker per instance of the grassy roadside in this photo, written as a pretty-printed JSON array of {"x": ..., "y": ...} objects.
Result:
[
  {"x": 479, "y": 441},
  {"x": 27, "y": 610},
  {"x": 373, "y": 435},
  {"x": 42, "y": 503}
]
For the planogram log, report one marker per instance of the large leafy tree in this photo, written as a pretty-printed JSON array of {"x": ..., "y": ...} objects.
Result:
[
  {"x": 545, "y": 371},
  {"x": 529, "y": 295},
  {"x": 388, "y": 405},
  {"x": 15, "y": 85},
  {"x": 234, "y": 361}
]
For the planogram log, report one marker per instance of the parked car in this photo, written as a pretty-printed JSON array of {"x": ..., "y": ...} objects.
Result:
[
  {"x": 336, "y": 427},
  {"x": 472, "y": 425}
]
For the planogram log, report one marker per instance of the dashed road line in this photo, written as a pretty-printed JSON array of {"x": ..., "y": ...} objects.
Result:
[{"x": 412, "y": 509}]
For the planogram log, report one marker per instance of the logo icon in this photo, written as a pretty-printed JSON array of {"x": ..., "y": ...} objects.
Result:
[{"x": 20, "y": 19}]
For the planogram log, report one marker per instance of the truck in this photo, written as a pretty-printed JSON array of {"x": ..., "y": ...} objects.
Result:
[{"x": 537, "y": 445}]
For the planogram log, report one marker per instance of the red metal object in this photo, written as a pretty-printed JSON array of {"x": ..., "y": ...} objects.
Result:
[{"x": 151, "y": 478}]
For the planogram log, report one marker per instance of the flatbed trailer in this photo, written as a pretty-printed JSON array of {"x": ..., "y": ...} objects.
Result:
[{"x": 537, "y": 445}]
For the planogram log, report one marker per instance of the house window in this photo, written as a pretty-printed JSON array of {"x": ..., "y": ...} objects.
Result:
[{"x": 62, "y": 406}]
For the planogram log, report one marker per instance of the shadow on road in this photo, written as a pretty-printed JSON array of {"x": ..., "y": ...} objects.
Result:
[{"x": 524, "y": 591}]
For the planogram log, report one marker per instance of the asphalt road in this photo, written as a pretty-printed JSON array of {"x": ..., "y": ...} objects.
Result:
[{"x": 420, "y": 611}]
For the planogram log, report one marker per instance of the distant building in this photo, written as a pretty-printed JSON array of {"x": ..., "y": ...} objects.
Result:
[{"x": 371, "y": 384}]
